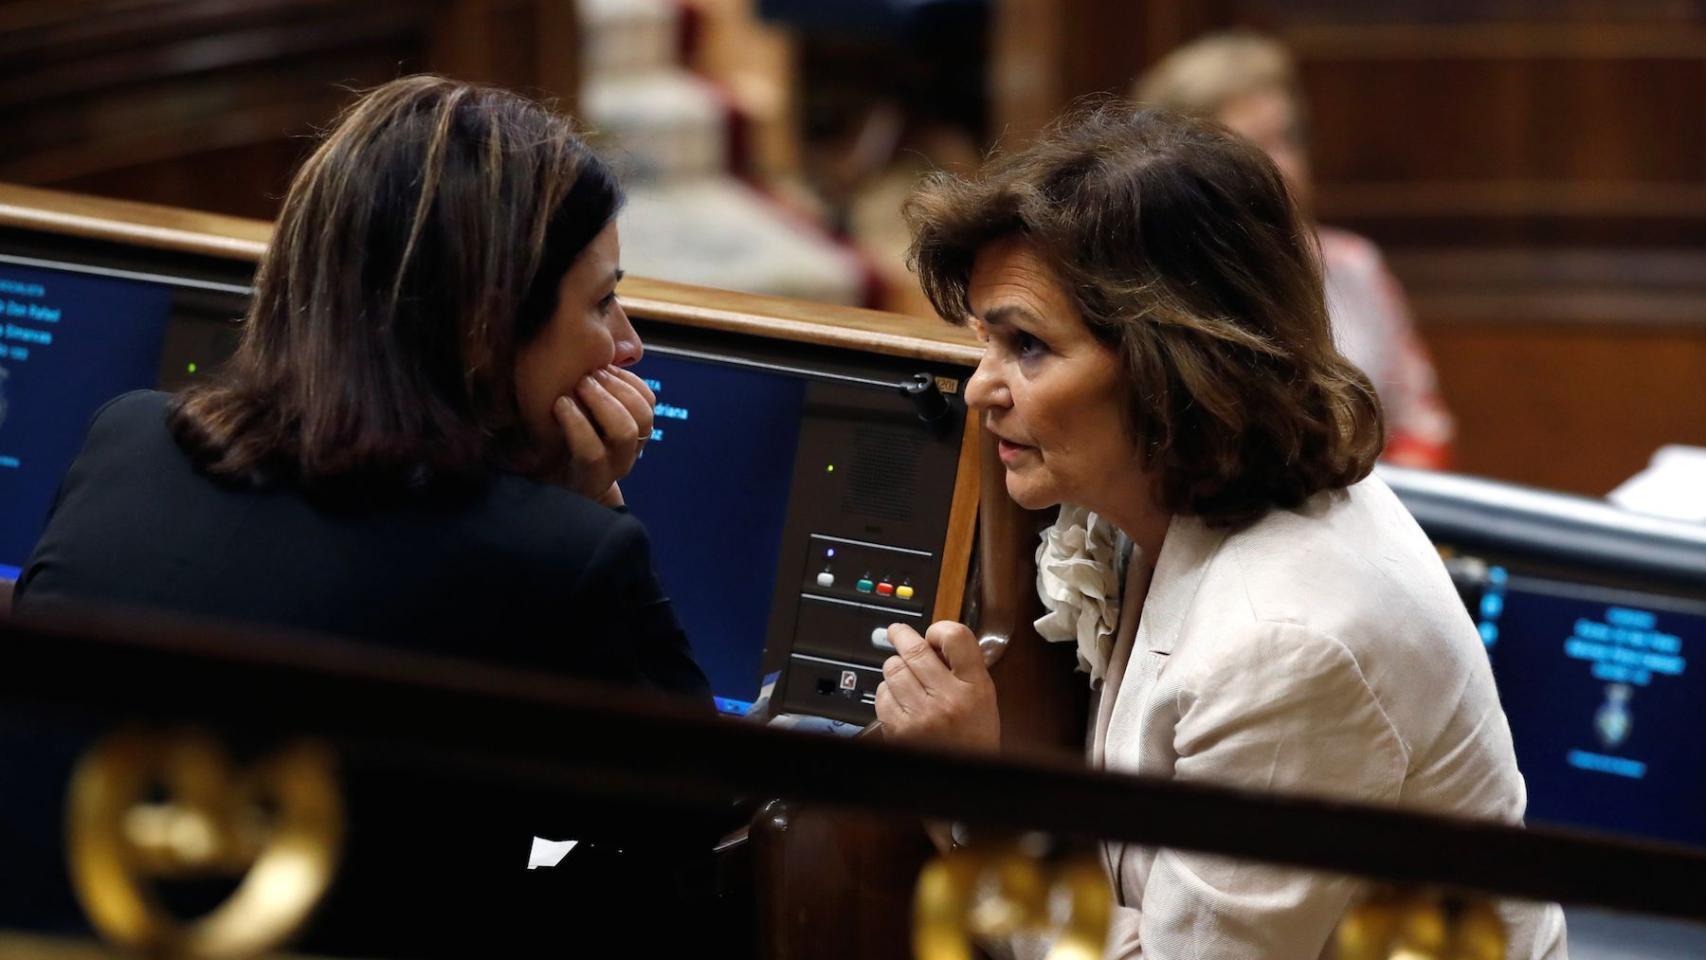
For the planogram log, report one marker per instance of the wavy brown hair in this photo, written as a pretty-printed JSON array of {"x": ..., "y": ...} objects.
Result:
[
  {"x": 419, "y": 248},
  {"x": 1183, "y": 251}
]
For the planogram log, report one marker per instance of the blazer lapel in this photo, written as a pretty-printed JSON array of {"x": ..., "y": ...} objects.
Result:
[
  {"x": 1172, "y": 588},
  {"x": 1107, "y": 697},
  {"x": 1124, "y": 702},
  {"x": 1185, "y": 557}
]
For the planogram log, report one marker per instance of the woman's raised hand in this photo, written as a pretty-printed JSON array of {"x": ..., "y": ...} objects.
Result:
[
  {"x": 606, "y": 424},
  {"x": 936, "y": 688}
]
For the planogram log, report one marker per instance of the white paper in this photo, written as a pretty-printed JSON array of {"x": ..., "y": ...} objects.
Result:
[
  {"x": 548, "y": 853},
  {"x": 1673, "y": 485}
]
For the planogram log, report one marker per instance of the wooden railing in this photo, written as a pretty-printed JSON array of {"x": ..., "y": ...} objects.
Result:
[{"x": 557, "y": 738}]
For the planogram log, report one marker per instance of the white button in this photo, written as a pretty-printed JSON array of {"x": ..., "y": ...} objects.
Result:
[
  {"x": 826, "y": 579},
  {"x": 880, "y": 639}
]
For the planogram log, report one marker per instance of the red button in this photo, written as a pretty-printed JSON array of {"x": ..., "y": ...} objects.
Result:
[{"x": 885, "y": 588}]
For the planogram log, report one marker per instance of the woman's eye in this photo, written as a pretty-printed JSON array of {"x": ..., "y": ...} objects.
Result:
[
  {"x": 1026, "y": 345},
  {"x": 609, "y": 301}
]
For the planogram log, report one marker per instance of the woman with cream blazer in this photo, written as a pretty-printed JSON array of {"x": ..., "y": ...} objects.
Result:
[
  {"x": 1158, "y": 361},
  {"x": 1319, "y": 651}
]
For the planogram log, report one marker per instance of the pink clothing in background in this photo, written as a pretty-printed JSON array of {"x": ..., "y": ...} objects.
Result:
[{"x": 1372, "y": 325}]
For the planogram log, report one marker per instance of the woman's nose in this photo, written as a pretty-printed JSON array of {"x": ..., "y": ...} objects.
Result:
[
  {"x": 983, "y": 390},
  {"x": 629, "y": 349}
]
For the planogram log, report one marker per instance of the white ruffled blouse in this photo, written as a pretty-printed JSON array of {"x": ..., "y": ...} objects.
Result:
[{"x": 1080, "y": 566}]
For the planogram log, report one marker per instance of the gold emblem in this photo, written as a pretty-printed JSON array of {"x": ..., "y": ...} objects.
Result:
[
  {"x": 146, "y": 808},
  {"x": 1395, "y": 925},
  {"x": 1006, "y": 889}
]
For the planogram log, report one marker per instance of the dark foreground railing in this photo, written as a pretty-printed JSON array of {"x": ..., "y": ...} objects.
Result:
[
  {"x": 556, "y": 737},
  {"x": 551, "y": 737}
]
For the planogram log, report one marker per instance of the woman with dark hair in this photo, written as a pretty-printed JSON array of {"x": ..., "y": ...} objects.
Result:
[
  {"x": 1252, "y": 608},
  {"x": 419, "y": 439},
  {"x": 418, "y": 443}
]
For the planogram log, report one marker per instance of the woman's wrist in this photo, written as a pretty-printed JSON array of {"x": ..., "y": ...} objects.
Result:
[{"x": 613, "y": 496}]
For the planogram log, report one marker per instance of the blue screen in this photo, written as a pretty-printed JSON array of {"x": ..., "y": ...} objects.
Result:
[
  {"x": 712, "y": 490},
  {"x": 69, "y": 343},
  {"x": 1605, "y": 712}
]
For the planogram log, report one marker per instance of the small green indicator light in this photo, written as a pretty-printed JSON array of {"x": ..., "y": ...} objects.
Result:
[
  {"x": 192, "y": 368},
  {"x": 831, "y": 469}
]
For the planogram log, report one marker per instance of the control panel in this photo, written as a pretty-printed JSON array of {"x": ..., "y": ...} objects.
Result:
[
  {"x": 830, "y": 477},
  {"x": 844, "y": 611},
  {"x": 865, "y": 546}
]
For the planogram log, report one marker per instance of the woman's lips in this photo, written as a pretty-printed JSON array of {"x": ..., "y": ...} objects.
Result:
[{"x": 1008, "y": 450}]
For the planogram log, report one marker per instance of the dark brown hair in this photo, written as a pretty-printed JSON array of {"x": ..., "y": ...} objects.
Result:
[
  {"x": 1183, "y": 252},
  {"x": 419, "y": 248}
]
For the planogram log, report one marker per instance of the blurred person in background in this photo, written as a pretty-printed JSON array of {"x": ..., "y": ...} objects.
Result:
[{"x": 1248, "y": 82}]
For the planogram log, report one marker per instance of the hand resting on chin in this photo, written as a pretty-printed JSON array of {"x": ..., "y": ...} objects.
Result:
[{"x": 605, "y": 424}]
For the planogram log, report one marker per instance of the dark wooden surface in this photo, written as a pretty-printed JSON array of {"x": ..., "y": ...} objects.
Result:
[
  {"x": 555, "y": 735},
  {"x": 210, "y": 104},
  {"x": 1566, "y": 369},
  {"x": 1578, "y": 408},
  {"x": 833, "y": 883},
  {"x": 1528, "y": 133}
]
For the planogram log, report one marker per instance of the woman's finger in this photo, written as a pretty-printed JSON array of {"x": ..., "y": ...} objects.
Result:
[
  {"x": 638, "y": 383},
  {"x": 920, "y": 657},
  {"x": 586, "y": 450},
  {"x": 888, "y": 711},
  {"x": 958, "y": 646},
  {"x": 612, "y": 419},
  {"x": 633, "y": 400},
  {"x": 903, "y": 685},
  {"x": 645, "y": 411}
]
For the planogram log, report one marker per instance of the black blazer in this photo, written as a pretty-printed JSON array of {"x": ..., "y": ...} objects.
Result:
[{"x": 517, "y": 573}]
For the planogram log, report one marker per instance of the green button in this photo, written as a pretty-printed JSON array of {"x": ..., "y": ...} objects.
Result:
[{"x": 865, "y": 586}]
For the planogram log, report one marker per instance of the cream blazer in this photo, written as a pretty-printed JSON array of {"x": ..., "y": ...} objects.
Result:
[{"x": 1321, "y": 651}]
